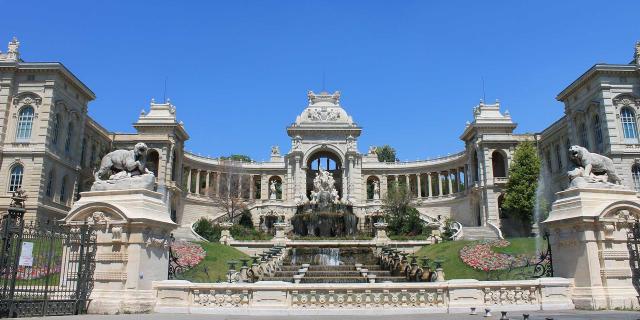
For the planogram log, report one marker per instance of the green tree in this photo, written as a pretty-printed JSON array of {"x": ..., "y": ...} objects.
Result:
[
  {"x": 403, "y": 219},
  {"x": 386, "y": 153},
  {"x": 237, "y": 157},
  {"x": 520, "y": 195}
]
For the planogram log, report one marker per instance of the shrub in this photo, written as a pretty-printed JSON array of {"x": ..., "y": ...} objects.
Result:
[
  {"x": 205, "y": 228},
  {"x": 245, "y": 219}
]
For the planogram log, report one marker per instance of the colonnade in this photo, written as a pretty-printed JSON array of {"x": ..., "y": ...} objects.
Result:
[
  {"x": 428, "y": 184},
  {"x": 216, "y": 183}
]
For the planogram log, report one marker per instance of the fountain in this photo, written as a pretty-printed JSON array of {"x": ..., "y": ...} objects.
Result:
[
  {"x": 333, "y": 265},
  {"x": 324, "y": 214}
]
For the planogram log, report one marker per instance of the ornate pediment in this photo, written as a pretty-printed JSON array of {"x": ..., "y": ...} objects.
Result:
[{"x": 626, "y": 99}]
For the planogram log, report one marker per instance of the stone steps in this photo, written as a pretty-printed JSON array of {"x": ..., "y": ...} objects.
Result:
[{"x": 478, "y": 233}]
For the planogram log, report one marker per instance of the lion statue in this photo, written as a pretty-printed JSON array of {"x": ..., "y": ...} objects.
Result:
[
  {"x": 131, "y": 162},
  {"x": 594, "y": 164}
]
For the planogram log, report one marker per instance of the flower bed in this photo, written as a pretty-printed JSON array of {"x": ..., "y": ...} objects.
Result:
[
  {"x": 36, "y": 272},
  {"x": 480, "y": 256},
  {"x": 189, "y": 254}
]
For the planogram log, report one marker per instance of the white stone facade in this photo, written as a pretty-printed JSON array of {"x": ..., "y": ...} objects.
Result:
[{"x": 466, "y": 186}]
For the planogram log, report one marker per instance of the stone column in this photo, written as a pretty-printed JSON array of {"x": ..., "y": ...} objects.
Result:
[
  {"x": 439, "y": 183},
  {"x": 197, "y": 182},
  {"x": 251, "y": 187},
  {"x": 217, "y": 183},
  {"x": 407, "y": 182},
  {"x": 450, "y": 182},
  {"x": 189, "y": 181},
  {"x": 383, "y": 186},
  {"x": 429, "y": 185},
  {"x": 418, "y": 182},
  {"x": 239, "y": 186},
  {"x": 207, "y": 191},
  {"x": 264, "y": 187}
]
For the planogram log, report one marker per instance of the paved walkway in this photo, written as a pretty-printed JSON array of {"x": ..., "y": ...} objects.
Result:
[{"x": 556, "y": 315}]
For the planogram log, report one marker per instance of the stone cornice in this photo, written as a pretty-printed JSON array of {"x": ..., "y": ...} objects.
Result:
[
  {"x": 591, "y": 73},
  {"x": 46, "y": 66}
]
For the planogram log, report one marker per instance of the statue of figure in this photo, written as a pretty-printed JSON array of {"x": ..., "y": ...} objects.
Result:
[
  {"x": 376, "y": 190},
  {"x": 296, "y": 144},
  {"x": 275, "y": 151},
  {"x": 126, "y": 168},
  {"x": 593, "y": 164},
  {"x": 272, "y": 190},
  {"x": 324, "y": 191}
]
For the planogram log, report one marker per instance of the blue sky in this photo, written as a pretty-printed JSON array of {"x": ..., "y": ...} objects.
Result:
[{"x": 409, "y": 71}]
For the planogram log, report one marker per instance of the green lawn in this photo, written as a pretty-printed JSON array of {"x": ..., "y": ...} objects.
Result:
[
  {"x": 214, "y": 266},
  {"x": 454, "y": 268}
]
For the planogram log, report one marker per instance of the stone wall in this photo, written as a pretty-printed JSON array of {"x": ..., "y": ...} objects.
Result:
[{"x": 278, "y": 298}]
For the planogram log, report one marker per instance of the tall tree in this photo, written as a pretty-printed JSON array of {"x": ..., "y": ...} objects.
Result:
[
  {"x": 386, "y": 153},
  {"x": 520, "y": 195},
  {"x": 401, "y": 216},
  {"x": 233, "y": 192}
]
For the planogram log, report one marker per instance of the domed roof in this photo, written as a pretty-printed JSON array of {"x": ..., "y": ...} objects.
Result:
[{"x": 324, "y": 110}]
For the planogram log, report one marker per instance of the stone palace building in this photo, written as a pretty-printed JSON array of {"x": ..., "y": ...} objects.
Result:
[{"x": 50, "y": 147}]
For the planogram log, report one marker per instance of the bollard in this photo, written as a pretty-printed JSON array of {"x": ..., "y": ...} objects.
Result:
[
  {"x": 473, "y": 311},
  {"x": 487, "y": 312},
  {"x": 504, "y": 315}
]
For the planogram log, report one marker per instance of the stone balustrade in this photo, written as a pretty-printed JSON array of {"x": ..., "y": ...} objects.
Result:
[{"x": 454, "y": 296}]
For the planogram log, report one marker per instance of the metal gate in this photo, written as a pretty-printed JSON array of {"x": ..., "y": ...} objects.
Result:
[{"x": 45, "y": 268}]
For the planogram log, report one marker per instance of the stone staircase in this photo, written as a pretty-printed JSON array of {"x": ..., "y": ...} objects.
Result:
[
  {"x": 184, "y": 233},
  {"x": 478, "y": 233}
]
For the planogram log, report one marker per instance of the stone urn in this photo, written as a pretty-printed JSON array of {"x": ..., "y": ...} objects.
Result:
[
  {"x": 225, "y": 234},
  {"x": 281, "y": 235},
  {"x": 381, "y": 233}
]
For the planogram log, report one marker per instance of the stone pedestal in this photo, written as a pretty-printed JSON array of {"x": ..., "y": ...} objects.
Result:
[
  {"x": 225, "y": 234},
  {"x": 280, "y": 237},
  {"x": 381, "y": 238},
  {"x": 589, "y": 230},
  {"x": 133, "y": 233}
]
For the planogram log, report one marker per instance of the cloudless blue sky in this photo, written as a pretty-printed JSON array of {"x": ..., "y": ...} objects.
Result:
[{"x": 409, "y": 71}]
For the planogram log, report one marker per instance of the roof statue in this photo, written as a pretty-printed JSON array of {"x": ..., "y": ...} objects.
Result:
[{"x": 13, "y": 53}]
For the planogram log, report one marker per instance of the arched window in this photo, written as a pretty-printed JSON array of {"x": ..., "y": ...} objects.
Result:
[
  {"x": 25, "y": 123},
  {"x": 635, "y": 173},
  {"x": 67, "y": 143},
  {"x": 49, "y": 191},
  {"x": 153, "y": 160},
  {"x": 55, "y": 129},
  {"x": 559, "y": 156},
  {"x": 597, "y": 133},
  {"x": 584, "y": 139},
  {"x": 63, "y": 190},
  {"x": 498, "y": 164},
  {"x": 629, "y": 125},
  {"x": 15, "y": 178}
]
